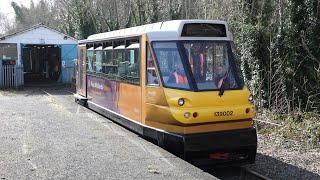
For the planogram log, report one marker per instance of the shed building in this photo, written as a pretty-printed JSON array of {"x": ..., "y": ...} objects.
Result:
[{"x": 37, "y": 55}]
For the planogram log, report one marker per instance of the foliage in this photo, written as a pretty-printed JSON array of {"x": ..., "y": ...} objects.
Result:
[
  {"x": 300, "y": 131},
  {"x": 4, "y": 92},
  {"x": 278, "y": 41},
  {"x": 43, "y": 12}
]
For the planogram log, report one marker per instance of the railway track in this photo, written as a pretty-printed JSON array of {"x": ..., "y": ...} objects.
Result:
[
  {"x": 236, "y": 173},
  {"x": 46, "y": 90},
  {"x": 249, "y": 174}
]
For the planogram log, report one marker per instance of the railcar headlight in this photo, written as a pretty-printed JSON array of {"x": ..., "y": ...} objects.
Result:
[
  {"x": 250, "y": 98},
  {"x": 181, "y": 102},
  {"x": 187, "y": 115}
]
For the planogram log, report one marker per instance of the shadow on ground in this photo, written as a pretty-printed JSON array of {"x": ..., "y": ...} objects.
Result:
[
  {"x": 266, "y": 166},
  {"x": 276, "y": 169}
]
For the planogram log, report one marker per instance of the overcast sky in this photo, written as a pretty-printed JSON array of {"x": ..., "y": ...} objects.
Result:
[{"x": 6, "y": 8}]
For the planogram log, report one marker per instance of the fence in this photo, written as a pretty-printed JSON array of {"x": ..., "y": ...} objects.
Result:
[{"x": 11, "y": 76}]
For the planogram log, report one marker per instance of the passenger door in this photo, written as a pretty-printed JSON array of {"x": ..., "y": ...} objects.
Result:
[{"x": 81, "y": 79}]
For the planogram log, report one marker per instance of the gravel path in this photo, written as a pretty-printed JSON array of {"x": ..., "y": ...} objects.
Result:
[{"x": 51, "y": 137}]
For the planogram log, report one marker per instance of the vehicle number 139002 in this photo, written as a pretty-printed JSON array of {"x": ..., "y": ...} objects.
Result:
[{"x": 223, "y": 113}]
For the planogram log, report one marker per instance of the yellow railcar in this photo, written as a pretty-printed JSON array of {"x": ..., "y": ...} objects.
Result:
[{"x": 176, "y": 83}]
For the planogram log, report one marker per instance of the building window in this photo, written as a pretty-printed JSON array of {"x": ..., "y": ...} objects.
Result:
[{"x": 8, "y": 52}]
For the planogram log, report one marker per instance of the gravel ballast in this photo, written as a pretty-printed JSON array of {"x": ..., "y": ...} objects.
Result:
[{"x": 280, "y": 158}]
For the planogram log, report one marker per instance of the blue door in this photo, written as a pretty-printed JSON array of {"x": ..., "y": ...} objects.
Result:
[{"x": 69, "y": 54}]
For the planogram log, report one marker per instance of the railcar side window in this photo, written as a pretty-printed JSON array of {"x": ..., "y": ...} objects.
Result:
[
  {"x": 107, "y": 63},
  {"x": 90, "y": 60},
  {"x": 133, "y": 64},
  {"x": 118, "y": 63},
  {"x": 152, "y": 76},
  {"x": 98, "y": 63}
]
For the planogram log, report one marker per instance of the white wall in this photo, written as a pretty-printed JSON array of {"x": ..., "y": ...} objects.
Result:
[{"x": 38, "y": 35}]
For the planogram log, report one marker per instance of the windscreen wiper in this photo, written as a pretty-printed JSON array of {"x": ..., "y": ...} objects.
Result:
[{"x": 221, "y": 89}]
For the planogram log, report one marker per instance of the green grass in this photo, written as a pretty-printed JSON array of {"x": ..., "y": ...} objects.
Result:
[{"x": 7, "y": 93}]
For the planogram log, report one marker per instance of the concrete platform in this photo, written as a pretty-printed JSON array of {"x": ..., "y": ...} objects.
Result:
[{"x": 51, "y": 137}]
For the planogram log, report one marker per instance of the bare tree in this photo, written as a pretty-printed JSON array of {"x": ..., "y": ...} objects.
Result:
[
  {"x": 43, "y": 12},
  {"x": 5, "y": 25}
]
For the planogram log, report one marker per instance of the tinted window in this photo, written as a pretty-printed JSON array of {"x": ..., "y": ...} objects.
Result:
[{"x": 204, "y": 30}]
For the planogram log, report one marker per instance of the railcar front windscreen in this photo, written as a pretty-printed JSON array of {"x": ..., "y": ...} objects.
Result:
[{"x": 209, "y": 65}]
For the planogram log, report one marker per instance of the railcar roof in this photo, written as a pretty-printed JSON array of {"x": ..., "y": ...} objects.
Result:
[{"x": 167, "y": 30}]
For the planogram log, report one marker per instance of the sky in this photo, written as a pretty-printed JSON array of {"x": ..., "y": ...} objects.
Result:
[
  {"x": 5, "y": 7},
  {"x": 7, "y": 10}
]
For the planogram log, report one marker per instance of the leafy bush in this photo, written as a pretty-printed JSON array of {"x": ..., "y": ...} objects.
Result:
[{"x": 301, "y": 130}]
